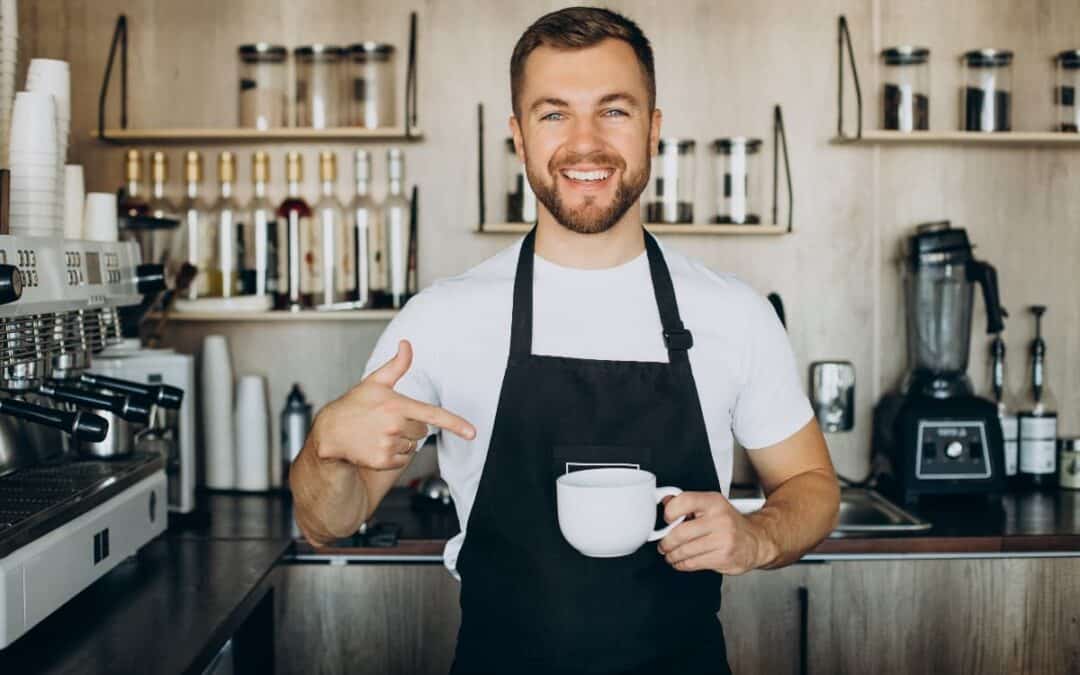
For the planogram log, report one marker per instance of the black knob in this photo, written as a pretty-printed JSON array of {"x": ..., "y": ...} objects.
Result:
[
  {"x": 170, "y": 397},
  {"x": 11, "y": 284},
  {"x": 150, "y": 278},
  {"x": 89, "y": 427}
]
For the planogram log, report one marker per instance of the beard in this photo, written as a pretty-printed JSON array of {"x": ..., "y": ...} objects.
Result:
[{"x": 589, "y": 218}]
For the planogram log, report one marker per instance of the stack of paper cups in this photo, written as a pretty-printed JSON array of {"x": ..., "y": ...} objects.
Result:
[
  {"x": 53, "y": 77},
  {"x": 9, "y": 51},
  {"x": 74, "y": 196},
  {"x": 252, "y": 422},
  {"x": 35, "y": 167},
  {"x": 99, "y": 221},
  {"x": 217, "y": 412}
]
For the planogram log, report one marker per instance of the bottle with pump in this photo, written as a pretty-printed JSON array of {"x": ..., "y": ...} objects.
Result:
[
  {"x": 259, "y": 275},
  {"x": 396, "y": 230},
  {"x": 366, "y": 234},
  {"x": 1038, "y": 418},
  {"x": 295, "y": 423},
  {"x": 226, "y": 215},
  {"x": 197, "y": 236},
  {"x": 294, "y": 239},
  {"x": 1003, "y": 397}
]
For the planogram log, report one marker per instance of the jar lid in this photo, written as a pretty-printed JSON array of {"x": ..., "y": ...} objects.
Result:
[
  {"x": 1070, "y": 59},
  {"x": 988, "y": 58},
  {"x": 319, "y": 51},
  {"x": 263, "y": 51},
  {"x": 905, "y": 55},
  {"x": 371, "y": 48},
  {"x": 724, "y": 145},
  {"x": 682, "y": 145},
  {"x": 1068, "y": 444}
]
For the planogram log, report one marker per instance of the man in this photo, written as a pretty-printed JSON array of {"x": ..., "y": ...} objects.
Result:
[{"x": 585, "y": 342}]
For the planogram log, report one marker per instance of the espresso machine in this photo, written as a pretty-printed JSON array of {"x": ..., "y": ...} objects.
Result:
[
  {"x": 69, "y": 511},
  {"x": 936, "y": 436}
]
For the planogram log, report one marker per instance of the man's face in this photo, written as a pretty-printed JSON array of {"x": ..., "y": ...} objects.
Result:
[{"x": 586, "y": 132}]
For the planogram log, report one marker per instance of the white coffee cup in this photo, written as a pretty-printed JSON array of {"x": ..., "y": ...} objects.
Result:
[
  {"x": 99, "y": 217},
  {"x": 607, "y": 513}
]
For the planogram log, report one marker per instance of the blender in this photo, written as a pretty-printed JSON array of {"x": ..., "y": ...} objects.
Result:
[{"x": 936, "y": 436}]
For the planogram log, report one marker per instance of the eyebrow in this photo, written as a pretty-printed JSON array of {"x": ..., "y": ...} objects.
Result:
[{"x": 619, "y": 96}]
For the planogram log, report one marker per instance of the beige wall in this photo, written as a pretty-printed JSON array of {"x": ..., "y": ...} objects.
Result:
[{"x": 721, "y": 65}]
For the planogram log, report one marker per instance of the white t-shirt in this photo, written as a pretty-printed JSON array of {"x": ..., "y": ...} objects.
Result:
[{"x": 459, "y": 329}]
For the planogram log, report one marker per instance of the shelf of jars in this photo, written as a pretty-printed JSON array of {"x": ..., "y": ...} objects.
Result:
[
  {"x": 320, "y": 108},
  {"x": 986, "y": 99},
  {"x": 657, "y": 228}
]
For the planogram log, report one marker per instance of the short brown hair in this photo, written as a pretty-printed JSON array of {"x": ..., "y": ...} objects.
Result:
[{"x": 578, "y": 28}]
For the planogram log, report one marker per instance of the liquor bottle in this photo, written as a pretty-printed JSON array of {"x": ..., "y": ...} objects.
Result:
[
  {"x": 259, "y": 274},
  {"x": 226, "y": 216},
  {"x": 366, "y": 234},
  {"x": 133, "y": 200},
  {"x": 1038, "y": 417},
  {"x": 160, "y": 207},
  {"x": 395, "y": 225},
  {"x": 198, "y": 234},
  {"x": 294, "y": 231},
  {"x": 335, "y": 275},
  {"x": 1006, "y": 403}
]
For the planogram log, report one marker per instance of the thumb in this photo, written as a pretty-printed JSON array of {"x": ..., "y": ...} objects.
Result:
[{"x": 390, "y": 372}]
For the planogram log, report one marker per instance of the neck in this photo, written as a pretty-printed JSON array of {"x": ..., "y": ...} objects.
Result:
[
  {"x": 294, "y": 188},
  {"x": 159, "y": 190},
  {"x": 191, "y": 189},
  {"x": 260, "y": 188},
  {"x": 226, "y": 189},
  {"x": 620, "y": 244},
  {"x": 395, "y": 186},
  {"x": 361, "y": 188},
  {"x": 327, "y": 188}
]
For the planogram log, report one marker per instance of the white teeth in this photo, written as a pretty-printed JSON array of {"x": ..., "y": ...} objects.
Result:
[{"x": 600, "y": 174}]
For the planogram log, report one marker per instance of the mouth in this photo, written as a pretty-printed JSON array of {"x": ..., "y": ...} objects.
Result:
[{"x": 592, "y": 178}]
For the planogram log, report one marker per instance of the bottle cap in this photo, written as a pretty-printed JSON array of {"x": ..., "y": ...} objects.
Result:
[
  {"x": 294, "y": 167},
  {"x": 159, "y": 167},
  {"x": 327, "y": 167},
  {"x": 132, "y": 166},
  {"x": 226, "y": 167},
  {"x": 193, "y": 167},
  {"x": 260, "y": 167}
]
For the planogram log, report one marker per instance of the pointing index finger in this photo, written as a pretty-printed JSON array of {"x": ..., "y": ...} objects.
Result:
[{"x": 436, "y": 416}]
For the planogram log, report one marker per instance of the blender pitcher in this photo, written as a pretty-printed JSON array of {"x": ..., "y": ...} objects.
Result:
[{"x": 939, "y": 276}]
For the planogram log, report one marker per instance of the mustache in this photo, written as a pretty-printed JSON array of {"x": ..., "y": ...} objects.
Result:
[{"x": 600, "y": 157}]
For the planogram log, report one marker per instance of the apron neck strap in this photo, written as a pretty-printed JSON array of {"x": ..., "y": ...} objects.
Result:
[{"x": 677, "y": 339}]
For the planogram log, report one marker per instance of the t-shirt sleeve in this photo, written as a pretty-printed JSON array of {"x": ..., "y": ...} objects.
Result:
[
  {"x": 771, "y": 404},
  {"x": 418, "y": 382}
]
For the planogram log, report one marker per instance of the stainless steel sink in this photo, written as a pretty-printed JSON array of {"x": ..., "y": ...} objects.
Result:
[{"x": 865, "y": 511}]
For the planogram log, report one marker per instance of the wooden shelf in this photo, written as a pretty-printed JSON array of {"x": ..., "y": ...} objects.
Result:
[
  {"x": 307, "y": 315},
  {"x": 1010, "y": 138},
  {"x": 257, "y": 135},
  {"x": 657, "y": 228}
]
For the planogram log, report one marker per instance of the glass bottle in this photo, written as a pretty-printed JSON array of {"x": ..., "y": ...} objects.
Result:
[
  {"x": 395, "y": 224},
  {"x": 1007, "y": 407},
  {"x": 159, "y": 206},
  {"x": 294, "y": 225},
  {"x": 226, "y": 215},
  {"x": 1038, "y": 417},
  {"x": 198, "y": 233},
  {"x": 259, "y": 270},
  {"x": 363, "y": 214},
  {"x": 335, "y": 274},
  {"x": 133, "y": 195}
]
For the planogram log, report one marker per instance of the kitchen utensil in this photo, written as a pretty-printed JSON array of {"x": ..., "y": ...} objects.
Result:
[
  {"x": 217, "y": 413},
  {"x": 737, "y": 180},
  {"x": 906, "y": 88},
  {"x": 252, "y": 420},
  {"x": 295, "y": 423},
  {"x": 988, "y": 90},
  {"x": 832, "y": 394},
  {"x": 99, "y": 217},
  {"x": 606, "y": 513},
  {"x": 671, "y": 189}
]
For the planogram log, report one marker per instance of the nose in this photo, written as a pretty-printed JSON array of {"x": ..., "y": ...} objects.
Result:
[{"x": 584, "y": 136}]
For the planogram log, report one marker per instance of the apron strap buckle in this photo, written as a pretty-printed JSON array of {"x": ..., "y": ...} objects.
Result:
[{"x": 678, "y": 340}]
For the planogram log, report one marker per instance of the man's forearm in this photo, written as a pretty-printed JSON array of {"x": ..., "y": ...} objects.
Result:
[
  {"x": 796, "y": 517},
  {"x": 330, "y": 498}
]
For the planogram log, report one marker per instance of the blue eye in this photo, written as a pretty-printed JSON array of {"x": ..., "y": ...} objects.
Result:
[
  {"x": 551, "y": 116},
  {"x": 615, "y": 112}
]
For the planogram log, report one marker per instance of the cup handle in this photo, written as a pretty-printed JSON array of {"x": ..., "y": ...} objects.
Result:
[{"x": 660, "y": 494}]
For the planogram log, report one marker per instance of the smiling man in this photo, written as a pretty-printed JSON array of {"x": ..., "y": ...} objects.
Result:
[{"x": 584, "y": 343}]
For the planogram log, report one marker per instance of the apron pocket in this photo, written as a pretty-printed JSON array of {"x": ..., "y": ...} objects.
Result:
[{"x": 569, "y": 458}]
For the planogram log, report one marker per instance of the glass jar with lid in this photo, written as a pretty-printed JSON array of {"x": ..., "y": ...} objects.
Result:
[
  {"x": 737, "y": 177},
  {"x": 988, "y": 90},
  {"x": 369, "y": 85},
  {"x": 318, "y": 86},
  {"x": 671, "y": 190},
  {"x": 1068, "y": 83},
  {"x": 263, "y": 100},
  {"x": 905, "y": 88},
  {"x": 520, "y": 200}
]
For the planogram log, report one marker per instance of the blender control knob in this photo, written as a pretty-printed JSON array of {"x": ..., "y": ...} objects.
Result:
[
  {"x": 150, "y": 278},
  {"x": 954, "y": 450},
  {"x": 11, "y": 284}
]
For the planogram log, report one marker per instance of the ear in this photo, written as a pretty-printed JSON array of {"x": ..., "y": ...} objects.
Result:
[
  {"x": 654, "y": 131},
  {"x": 519, "y": 141}
]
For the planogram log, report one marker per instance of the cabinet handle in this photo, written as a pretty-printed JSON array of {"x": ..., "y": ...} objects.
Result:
[{"x": 804, "y": 629}]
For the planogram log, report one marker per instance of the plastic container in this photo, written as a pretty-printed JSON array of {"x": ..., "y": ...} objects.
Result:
[
  {"x": 318, "y": 86},
  {"x": 369, "y": 85},
  {"x": 263, "y": 100},
  {"x": 987, "y": 91},
  {"x": 671, "y": 191},
  {"x": 736, "y": 163},
  {"x": 1068, "y": 83},
  {"x": 905, "y": 91}
]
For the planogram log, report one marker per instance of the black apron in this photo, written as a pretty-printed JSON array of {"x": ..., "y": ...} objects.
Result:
[{"x": 529, "y": 602}]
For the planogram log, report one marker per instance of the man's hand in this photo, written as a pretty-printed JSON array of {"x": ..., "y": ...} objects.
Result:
[
  {"x": 715, "y": 536},
  {"x": 374, "y": 427}
]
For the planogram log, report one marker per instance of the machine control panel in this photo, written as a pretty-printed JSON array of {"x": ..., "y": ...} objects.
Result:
[{"x": 953, "y": 449}]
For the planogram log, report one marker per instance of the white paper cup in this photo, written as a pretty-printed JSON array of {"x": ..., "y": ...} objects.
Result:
[
  {"x": 252, "y": 421},
  {"x": 74, "y": 196},
  {"x": 99, "y": 217},
  {"x": 33, "y": 123},
  {"x": 216, "y": 387}
]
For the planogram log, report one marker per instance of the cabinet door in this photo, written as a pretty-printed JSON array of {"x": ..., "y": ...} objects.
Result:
[
  {"x": 772, "y": 618},
  {"x": 380, "y": 619}
]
